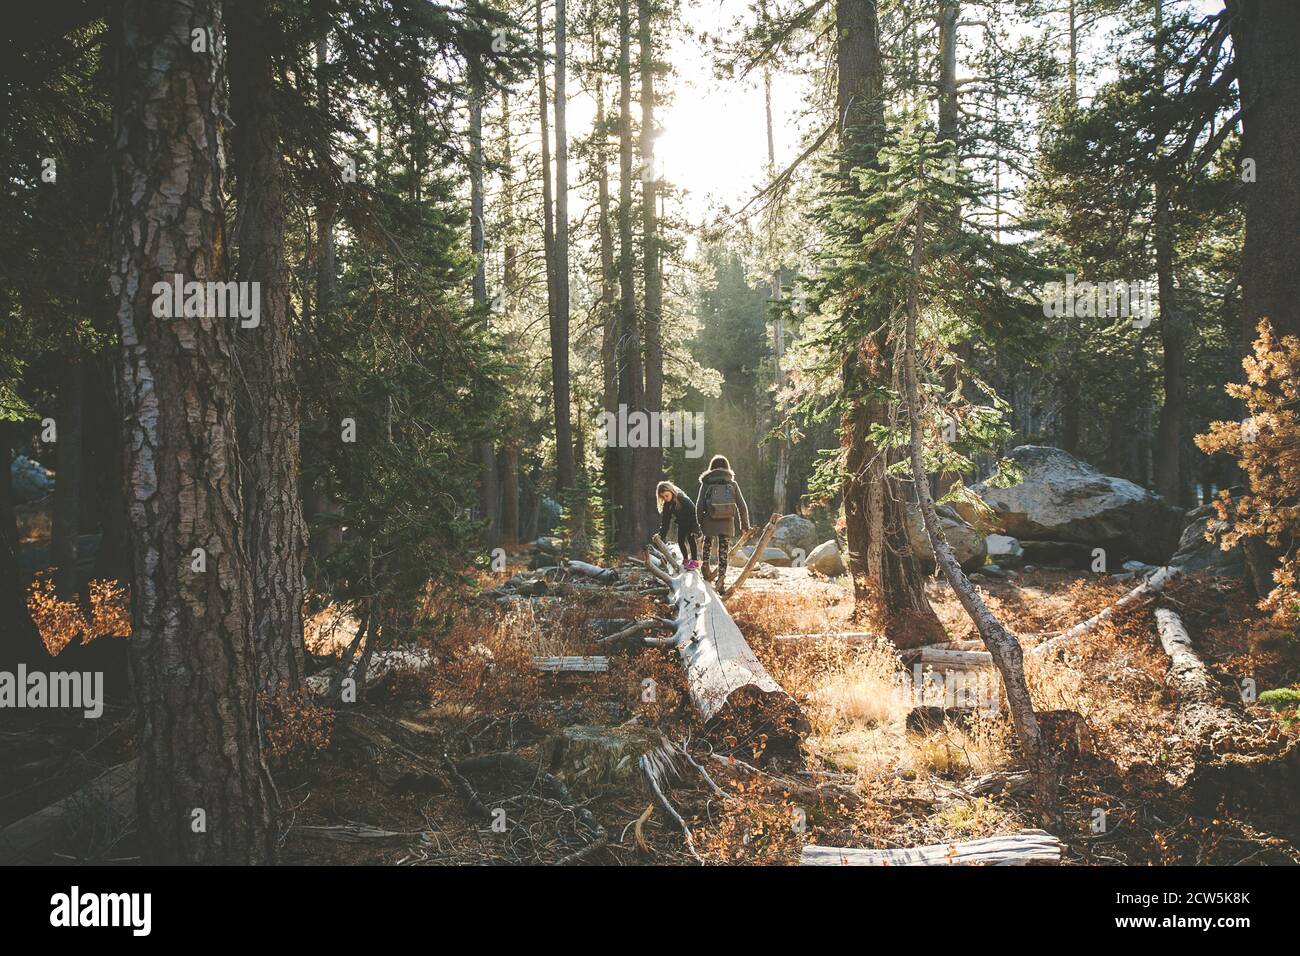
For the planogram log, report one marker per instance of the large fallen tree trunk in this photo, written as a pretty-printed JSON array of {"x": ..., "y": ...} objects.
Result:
[
  {"x": 108, "y": 800},
  {"x": 728, "y": 684},
  {"x": 1016, "y": 849},
  {"x": 1202, "y": 720}
]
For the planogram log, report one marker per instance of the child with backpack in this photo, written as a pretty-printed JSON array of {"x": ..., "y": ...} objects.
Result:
[
  {"x": 719, "y": 505},
  {"x": 672, "y": 503}
]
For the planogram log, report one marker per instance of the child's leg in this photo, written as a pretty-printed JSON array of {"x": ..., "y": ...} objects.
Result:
[
  {"x": 682, "y": 538},
  {"x": 724, "y": 544},
  {"x": 708, "y": 547},
  {"x": 693, "y": 539}
]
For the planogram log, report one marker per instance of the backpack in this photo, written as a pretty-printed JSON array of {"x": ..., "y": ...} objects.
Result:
[{"x": 722, "y": 502}]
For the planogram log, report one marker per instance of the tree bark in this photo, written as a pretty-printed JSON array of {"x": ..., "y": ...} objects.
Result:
[
  {"x": 631, "y": 387},
  {"x": 204, "y": 796},
  {"x": 556, "y": 238},
  {"x": 1266, "y": 47},
  {"x": 886, "y": 576},
  {"x": 609, "y": 315},
  {"x": 19, "y": 641},
  {"x": 68, "y": 476},
  {"x": 650, "y": 465},
  {"x": 489, "y": 493},
  {"x": 1002, "y": 645},
  {"x": 268, "y": 408},
  {"x": 1173, "y": 336}
]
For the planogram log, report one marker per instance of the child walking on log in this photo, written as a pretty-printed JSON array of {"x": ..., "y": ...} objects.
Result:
[
  {"x": 720, "y": 504},
  {"x": 672, "y": 503}
]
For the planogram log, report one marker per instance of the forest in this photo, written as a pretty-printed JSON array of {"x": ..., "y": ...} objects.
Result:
[{"x": 650, "y": 432}]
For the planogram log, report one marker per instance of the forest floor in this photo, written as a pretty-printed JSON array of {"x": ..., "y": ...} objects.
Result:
[{"x": 390, "y": 780}]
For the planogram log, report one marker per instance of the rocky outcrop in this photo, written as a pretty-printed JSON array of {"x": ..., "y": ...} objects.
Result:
[
  {"x": 967, "y": 541},
  {"x": 1198, "y": 555},
  {"x": 1065, "y": 500}
]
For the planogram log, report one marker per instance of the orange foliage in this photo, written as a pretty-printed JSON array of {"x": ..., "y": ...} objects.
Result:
[
  {"x": 60, "y": 622},
  {"x": 1267, "y": 446}
]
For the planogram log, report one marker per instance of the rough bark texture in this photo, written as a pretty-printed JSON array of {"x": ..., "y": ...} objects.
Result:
[
  {"x": 608, "y": 291},
  {"x": 1202, "y": 721},
  {"x": 19, "y": 641},
  {"x": 489, "y": 492},
  {"x": 267, "y": 391},
  {"x": 886, "y": 577},
  {"x": 556, "y": 238},
  {"x": 1266, "y": 45},
  {"x": 192, "y": 657},
  {"x": 68, "y": 474},
  {"x": 1002, "y": 645},
  {"x": 650, "y": 464},
  {"x": 631, "y": 383}
]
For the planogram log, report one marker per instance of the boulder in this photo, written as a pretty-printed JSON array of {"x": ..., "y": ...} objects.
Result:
[
  {"x": 794, "y": 532},
  {"x": 1063, "y": 499},
  {"x": 1198, "y": 555},
  {"x": 773, "y": 556},
  {"x": 967, "y": 542},
  {"x": 826, "y": 559},
  {"x": 548, "y": 544},
  {"x": 1004, "y": 549}
]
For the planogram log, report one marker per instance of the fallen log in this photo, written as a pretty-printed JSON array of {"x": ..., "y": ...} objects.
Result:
[
  {"x": 571, "y": 665},
  {"x": 728, "y": 684},
  {"x": 941, "y": 658},
  {"x": 1151, "y": 586},
  {"x": 603, "y": 575},
  {"x": 1201, "y": 719},
  {"x": 110, "y": 798},
  {"x": 759, "y": 550},
  {"x": 667, "y": 555},
  {"x": 1016, "y": 849},
  {"x": 848, "y": 637}
]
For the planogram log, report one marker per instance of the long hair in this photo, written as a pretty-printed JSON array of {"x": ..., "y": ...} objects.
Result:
[{"x": 660, "y": 489}]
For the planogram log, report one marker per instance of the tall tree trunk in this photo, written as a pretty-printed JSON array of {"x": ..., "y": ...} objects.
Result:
[
  {"x": 650, "y": 464},
  {"x": 1002, "y": 645},
  {"x": 19, "y": 642},
  {"x": 557, "y": 245},
  {"x": 781, "y": 476},
  {"x": 509, "y": 493},
  {"x": 204, "y": 796},
  {"x": 1266, "y": 46},
  {"x": 631, "y": 384},
  {"x": 608, "y": 285},
  {"x": 268, "y": 406},
  {"x": 68, "y": 475},
  {"x": 886, "y": 576},
  {"x": 489, "y": 494},
  {"x": 1173, "y": 338},
  {"x": 326, "y": 265}
]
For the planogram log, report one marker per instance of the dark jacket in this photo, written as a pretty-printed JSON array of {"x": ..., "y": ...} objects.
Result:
[
  {"x": 709, "y": 481},
  {"x": 683, "y": 509}
]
